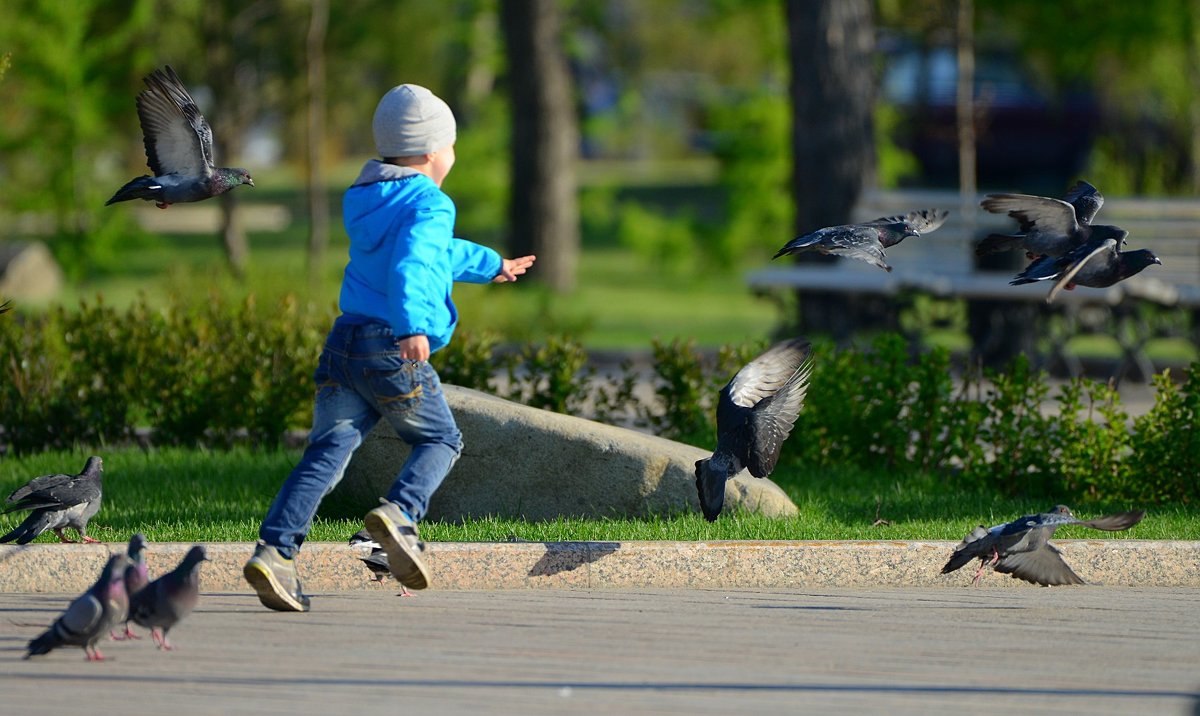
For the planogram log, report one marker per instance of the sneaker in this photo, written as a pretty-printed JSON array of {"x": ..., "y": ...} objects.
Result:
[
  {"x": 274, "y": 577},
  {"x": 398, "y": 536}
]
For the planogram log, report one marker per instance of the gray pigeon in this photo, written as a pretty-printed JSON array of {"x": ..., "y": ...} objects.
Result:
[
  {"x": 1098, "y": 264},
  {"x": 1022, "y": 547},
  {"x": 867, "y": 241},
  {"x": 90, "y": 616},
  {"x": 169, "y": 598},
  {"x": 376, "y": 560},
  {"x": 1049, "y": 227},
  {"x": 58, "y": 502},
  {"x": 136, "y": 577},
  {"x": 755, "y": 413},
  {"x": 179, "y": 148}
]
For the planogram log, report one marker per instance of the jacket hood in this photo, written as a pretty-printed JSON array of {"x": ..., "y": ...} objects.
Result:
[{"x": 366, "y": 201}]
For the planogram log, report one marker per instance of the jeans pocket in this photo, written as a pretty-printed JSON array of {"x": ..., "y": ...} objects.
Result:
[{"x": 398, "y": 391}]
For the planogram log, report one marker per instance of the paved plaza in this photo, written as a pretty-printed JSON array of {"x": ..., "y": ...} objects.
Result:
[{"x": 889, "y": 650}]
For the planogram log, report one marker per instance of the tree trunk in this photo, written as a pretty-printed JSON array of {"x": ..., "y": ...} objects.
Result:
[
  {"x": 318, "y": 197},
  {"x": 226, "y": 117},
  {"x": 544, "y": 210},
  {"x": 833, "y": 148}
]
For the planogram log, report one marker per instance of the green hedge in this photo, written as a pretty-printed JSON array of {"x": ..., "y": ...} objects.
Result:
[{"x": 226, "y": 372}]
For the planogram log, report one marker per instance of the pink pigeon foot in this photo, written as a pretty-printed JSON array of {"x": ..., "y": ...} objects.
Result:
[
  {"x": 404, "y": 592},
  {"x": 161, "y": 640},
  {"x": 122, "y": 637},
  {"x": 90, "y": 540},
  {"x": 94, "y": 654}
]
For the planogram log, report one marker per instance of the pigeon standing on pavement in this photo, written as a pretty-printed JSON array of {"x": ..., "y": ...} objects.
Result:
[
  {"x": 92, "y": 615},
  {"x": 136, "y": 577},
  {"x": 58, "y": 502},
  {"x": 755, "y": 412},
  {"x": 867, "y": 241},
  {"x": 1098, "y": 264},
  {"x": 179, "y": 148},
  {"x": 1049, "y": 227},
  {"x": 170, "y": 598},
  {"x": 1022, "y": 547},
  {"x": 376, "y": 560}
]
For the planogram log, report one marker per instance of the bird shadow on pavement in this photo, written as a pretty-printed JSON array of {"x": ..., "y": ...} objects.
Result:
[{"x": 569, "y": 556}]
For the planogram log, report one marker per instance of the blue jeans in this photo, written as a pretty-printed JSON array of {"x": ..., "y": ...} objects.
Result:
[{"x": 361, "y": 378}]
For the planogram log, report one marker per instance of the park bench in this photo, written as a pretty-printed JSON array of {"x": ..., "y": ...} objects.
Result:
[{"x": 846, "y": 296}]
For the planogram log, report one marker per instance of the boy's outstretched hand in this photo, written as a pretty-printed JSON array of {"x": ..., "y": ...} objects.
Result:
[{"x": 511, "y": 268}]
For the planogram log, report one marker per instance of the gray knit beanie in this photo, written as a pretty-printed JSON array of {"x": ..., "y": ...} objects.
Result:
[{"x": 411, "y": 120}]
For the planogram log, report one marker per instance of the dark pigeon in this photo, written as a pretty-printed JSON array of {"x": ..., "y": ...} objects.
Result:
[
  {"x": 755, "y": 413},
  {"x": 58, "y": 502},
  {"x": 1022, "y": 547},
  {"x": 376, "y": 560},
  {"x": 179, "y": 148},
  {"x": 1097, "y": 264},
  {"x": 90, "y": 616},
  {"x": 1049, "y": 227},
  {"x": 867, "y": 241},
  {"x": 136, "y": 577},
  {"x": 170, "y": 598}
]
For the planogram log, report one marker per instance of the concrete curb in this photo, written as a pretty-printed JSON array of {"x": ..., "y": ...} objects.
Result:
[{"x": 326, "y": 567}]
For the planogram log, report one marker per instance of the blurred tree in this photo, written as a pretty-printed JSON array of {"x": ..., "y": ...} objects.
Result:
[
  {"x": 544, "y": 212},
  {"x": 318, "y": 198},
  {"x": 832, "y": 87},
  {"x": 59, "y": 120}
]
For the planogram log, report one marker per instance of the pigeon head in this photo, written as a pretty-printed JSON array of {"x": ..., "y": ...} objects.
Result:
[
  {"x": 195, "y": 556},
  {"x": 137, "y": 543},
  {"x": 1132, "y": 262},
  {"x": 710, "y": 487},
  {"x": 94, "y": 464},
  {"x": 1062, "y": 510}
]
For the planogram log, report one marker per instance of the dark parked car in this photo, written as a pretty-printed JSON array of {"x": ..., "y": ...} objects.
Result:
[{"x": 1025, "y": 135}]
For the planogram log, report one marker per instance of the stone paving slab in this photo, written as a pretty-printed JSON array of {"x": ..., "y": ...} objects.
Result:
[
  {"x": 899, "y": 651},
  {"x": 624, "y": 565}
]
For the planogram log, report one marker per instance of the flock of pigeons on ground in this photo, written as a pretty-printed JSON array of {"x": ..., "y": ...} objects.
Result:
[
  {"x": 124, "y": 592},
  {"x": 756, "y": 410}
]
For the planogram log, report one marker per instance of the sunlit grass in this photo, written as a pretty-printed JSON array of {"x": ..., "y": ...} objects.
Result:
[{"x": 175, "y": 494}]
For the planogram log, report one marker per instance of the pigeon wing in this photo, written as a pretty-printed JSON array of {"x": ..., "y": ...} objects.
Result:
[
  {"x": 55, "y": 491},
  {"x": 864, "y": 243},
  {"x": 1044, "y": 566},
  {"x": 1039, "y": 213},
  {"x": 773, "y": 387},
  {"x": 921, "y": 221},
  {"x": 81, "y": 616},
  {"x": 1078, "y": 259},
  {"x": 178, "y": 139},
  {"x": 1115, "y": 522},
  {"x": 1086, "y": 199}
]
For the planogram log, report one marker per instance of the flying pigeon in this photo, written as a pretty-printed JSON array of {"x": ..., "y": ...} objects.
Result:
[
  {"x": 1049, "y": 227},
  {"x": 169, "y": 598},
  {"x": 179, "y": 148},
  {"x": 755, "y": 413},
  {"x": 1098, "y": 264},
  {"x": 1022, "y": 547},
  {"x": 90, "y": 616},
  {"x": 377, "y": 560},
  {"x": 136, "y": 577},
  {"x": 867, "y": 241},
  {"x": 57, "y": 501}
]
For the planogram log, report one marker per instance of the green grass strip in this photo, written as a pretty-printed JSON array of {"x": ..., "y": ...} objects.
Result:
[{"x": 191, "y": 495}]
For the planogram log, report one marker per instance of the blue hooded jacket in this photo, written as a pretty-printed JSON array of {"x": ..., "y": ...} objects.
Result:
[{"x": 404, "y": 258}]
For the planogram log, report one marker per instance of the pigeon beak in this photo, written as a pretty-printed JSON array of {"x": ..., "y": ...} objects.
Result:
[
  {"x": 1158, "y": 261},
  {"x": 249, "y": 181}
]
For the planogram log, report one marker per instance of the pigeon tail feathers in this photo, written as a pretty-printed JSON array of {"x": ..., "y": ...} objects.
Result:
[{"x": 144, "y": 187}]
